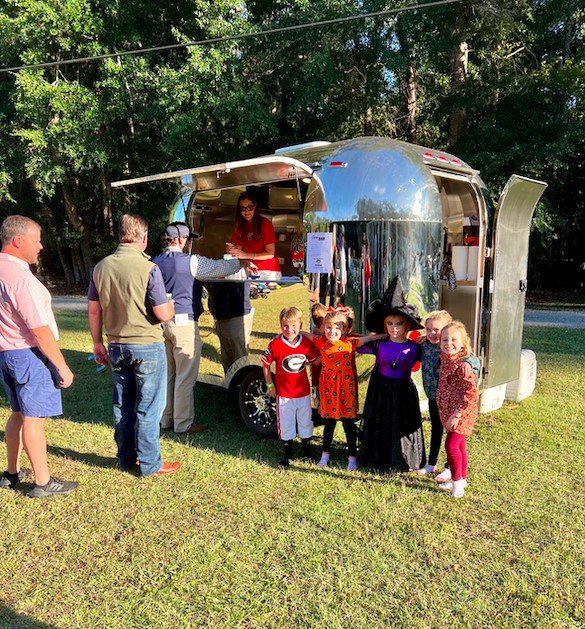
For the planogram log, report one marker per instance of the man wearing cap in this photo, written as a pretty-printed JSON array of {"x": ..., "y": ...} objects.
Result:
[
  {"x": 127, "y": 298},
  {"x": 32, "y": 367},
  {"x": 182, "y": 274}
]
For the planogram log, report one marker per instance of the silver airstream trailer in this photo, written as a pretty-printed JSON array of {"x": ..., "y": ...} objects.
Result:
[{"x": 351, "y": 215}]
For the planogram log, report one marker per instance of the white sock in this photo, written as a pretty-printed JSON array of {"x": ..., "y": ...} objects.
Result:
[
  {"x": 458, "y": 490},
  {"x": 352, "y": 463},
  {"x": 324, "y": 460},
  {"x": 445, "y": 475}
]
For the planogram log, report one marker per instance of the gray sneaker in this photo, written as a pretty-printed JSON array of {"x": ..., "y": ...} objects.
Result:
[
  {"x": 55, "y": 487},
  {"x": 10, "y": 481}
]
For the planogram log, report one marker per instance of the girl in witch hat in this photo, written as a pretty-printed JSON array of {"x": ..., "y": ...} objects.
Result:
[{"x": 392, "y": 436}]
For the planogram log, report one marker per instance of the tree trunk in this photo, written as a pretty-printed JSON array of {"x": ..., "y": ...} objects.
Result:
[
  {"x": 408, "y": 86},
  {"x": 410, "y": 100},
  {"x": 65, "y": 265},
  {"x": 107, "y": 217},
  {"x": 77, "y": 266},
  {"x": 87, "y": 259},
  {"x": 368, "y": 121},
  {"x": 459, "y": 60},
  {"x": 79, "y": 216}
]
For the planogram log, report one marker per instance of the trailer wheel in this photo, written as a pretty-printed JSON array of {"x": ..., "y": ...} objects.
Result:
[{"x": 258, "y": 409}]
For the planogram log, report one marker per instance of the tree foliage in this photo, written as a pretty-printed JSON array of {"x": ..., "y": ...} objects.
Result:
[{"x": 500, "y": 84}]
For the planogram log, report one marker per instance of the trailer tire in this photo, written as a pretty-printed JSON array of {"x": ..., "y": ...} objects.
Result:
[{"x": 257, "y": 408}]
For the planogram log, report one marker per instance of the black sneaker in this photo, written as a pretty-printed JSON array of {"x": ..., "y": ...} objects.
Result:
[
  {"x": 10, "y": 481},
  {"x": 55, "y": 487},
  {"x": 284, "y": 462}
]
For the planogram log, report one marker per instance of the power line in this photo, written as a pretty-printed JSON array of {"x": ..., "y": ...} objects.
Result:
[{"x": 215, "y": 40}]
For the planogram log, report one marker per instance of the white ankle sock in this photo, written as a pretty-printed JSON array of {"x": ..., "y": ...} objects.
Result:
[
  {"x": 324, "y": 460},
  {"x": 458, "y": 490},
  {"x": 445, "y": 475}
]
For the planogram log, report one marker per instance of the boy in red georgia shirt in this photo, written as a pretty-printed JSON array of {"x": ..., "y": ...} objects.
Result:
[{"x": 290, "y": 352}]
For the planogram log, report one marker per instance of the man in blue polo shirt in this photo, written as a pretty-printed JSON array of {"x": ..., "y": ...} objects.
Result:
[{"x": 182, "y": 274}]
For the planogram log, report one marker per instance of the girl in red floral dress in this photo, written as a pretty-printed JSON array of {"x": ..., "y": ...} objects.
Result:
[
  {"x": 338, "y": 387},
  {"x": 457, "y": 399}
]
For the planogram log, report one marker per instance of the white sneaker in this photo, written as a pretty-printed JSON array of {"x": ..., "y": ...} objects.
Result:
[
  {"x": 458, "y": 490},
  {"x": 449, "y": 484},
  {"x": 427, "y": 469},
  {"x": 444, "y": 476},
  {"x": 324, "y": 460}
]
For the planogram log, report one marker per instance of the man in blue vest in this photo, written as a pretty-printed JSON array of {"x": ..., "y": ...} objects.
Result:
[{"x": 182, "y": 274}]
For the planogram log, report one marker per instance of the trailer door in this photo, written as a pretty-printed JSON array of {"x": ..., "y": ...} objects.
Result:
[{"x": 508, "y": 278}]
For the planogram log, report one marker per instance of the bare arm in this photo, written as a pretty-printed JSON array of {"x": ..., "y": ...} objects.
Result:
[
  {"x": 237, "y": 252},
  {"x": 367, "y": 338},
  {"x": 94, "y": 316},
  {"x": 268, "y": 377},
  {"x": 164, "y": 312},
  {"x": 48, "y": 345}
]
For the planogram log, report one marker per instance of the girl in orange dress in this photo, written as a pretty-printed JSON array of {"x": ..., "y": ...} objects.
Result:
[{"x": 338, "y": 388}]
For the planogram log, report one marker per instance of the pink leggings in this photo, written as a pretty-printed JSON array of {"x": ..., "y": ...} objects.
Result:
[{"x": 456, "y": 449}]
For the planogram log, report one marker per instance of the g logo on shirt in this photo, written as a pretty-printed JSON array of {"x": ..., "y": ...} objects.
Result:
[{"x": 294, "y": 363}]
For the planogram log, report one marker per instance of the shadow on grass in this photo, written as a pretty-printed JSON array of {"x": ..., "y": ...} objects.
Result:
[
  {"x": 90, "y": 458},
  {"x": 9, "y": 618},
  {"x": 366, "y": 477}
]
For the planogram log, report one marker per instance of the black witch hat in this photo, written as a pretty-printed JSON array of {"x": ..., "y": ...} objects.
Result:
[{"x": 392, "y": 302}]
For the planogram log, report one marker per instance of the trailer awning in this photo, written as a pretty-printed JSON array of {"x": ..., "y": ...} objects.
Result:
[{"x": 259, "y": 170}]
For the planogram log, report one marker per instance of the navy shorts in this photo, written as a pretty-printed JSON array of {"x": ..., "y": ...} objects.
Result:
[{"x": 31, "y": 382}]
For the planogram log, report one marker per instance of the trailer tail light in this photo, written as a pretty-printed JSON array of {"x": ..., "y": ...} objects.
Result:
[{"x": 442, "y": 158}]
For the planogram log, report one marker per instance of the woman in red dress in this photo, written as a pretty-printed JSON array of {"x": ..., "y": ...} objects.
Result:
[{"x": 254, "y": 239}]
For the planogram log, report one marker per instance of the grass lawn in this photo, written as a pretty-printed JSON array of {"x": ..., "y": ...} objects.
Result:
[{"x": 232, "y": 540}]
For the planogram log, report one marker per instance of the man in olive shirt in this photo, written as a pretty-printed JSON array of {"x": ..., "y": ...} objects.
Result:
[{"x": 127, "y": 298}]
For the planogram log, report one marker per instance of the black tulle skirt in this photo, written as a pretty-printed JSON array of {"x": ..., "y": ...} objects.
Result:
[{"x": 392, "y": 437}]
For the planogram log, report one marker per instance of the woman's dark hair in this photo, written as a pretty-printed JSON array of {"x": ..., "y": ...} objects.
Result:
[{"x": 242, "y": 223}]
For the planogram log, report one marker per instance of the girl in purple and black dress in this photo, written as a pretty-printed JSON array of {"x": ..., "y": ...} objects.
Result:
[{"x": 392, "y": 436}]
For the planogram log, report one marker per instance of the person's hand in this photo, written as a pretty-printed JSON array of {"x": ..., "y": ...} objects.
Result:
[
  {"x": 452, "y": 423},
  {"x": 421, "y": 339},
  {"x": 234, "y": 250},
  {"x": 65, "y": 377},
  {"x": 100, "y": 354},
  {"x": 271, "y": 390},
  {"x": 250, "y": 267}
]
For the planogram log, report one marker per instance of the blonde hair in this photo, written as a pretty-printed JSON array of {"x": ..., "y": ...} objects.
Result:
[
  {"x": 15, "y": 225},
  {"x": 439, "y": 315},
  {"x": 350, "y": 318},
  {"x": 288, "y": 314},
  {"x": 465, "y": 340},
  {"x": 132, "y": 228},
  {"x": 318, "y": 312},
  {"x": 338, "y": 316}
]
